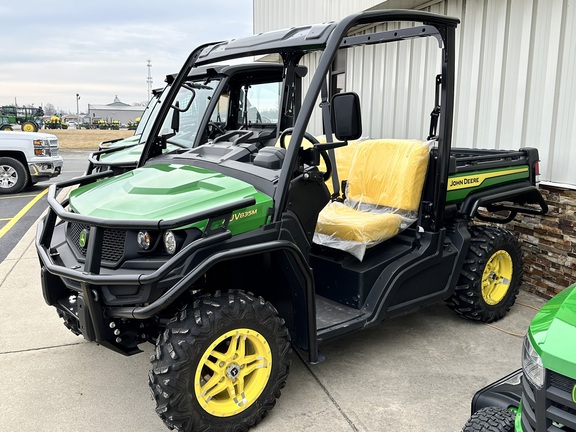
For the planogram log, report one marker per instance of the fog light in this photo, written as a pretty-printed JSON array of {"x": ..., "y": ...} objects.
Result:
[
  {"x": 144, "y": 240},
  {"x": 170, "y": 242}
]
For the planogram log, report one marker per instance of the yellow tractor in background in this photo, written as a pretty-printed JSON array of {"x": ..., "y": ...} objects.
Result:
[{"x": 56, "y": 123}]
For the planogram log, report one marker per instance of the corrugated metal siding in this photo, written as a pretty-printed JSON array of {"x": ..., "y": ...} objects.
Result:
[
  {"x": 277, "y": 14},
  {"x": 515, "y": 85},
  {"x": 395, "y": 83}
]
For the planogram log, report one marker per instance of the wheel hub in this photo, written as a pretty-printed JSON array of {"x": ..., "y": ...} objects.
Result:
[
  {"x": 497, "y": 277},
  {"x": 8, "y": 176},
  {"x": 233, "y": 372}
]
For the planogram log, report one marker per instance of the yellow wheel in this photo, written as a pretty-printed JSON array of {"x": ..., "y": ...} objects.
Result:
[
  {"x": 220, "y": 365},
  {"x": 490, "y": 277},
  {"x": 233, "y": 372},
  {"x": 29, "y": 126},
  {"x": 497, "y": 277}
]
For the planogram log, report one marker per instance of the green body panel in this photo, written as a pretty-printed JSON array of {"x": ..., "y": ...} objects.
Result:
[
  {"x": 551, "y": 330},
  {"x": 462, "y": 185},
  {"x": 167, "y": 192}
]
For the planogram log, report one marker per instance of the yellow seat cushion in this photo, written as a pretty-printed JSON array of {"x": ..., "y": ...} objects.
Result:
[
  {"x": 341, "y": 221},
  {"x": 388, "y": 173}
]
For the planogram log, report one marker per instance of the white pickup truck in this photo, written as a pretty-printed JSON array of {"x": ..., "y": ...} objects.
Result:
[{"x": 27, "y": 158}]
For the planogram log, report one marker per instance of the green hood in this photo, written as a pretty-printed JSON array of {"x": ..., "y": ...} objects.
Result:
[
  {"x": 134, "y": 139},
  {"x": 168, "y": 192},
  {"x": 553, "y": 332}
]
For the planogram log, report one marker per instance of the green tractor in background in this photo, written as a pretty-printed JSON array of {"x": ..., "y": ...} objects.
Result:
[{"x": 29, "y": 118}]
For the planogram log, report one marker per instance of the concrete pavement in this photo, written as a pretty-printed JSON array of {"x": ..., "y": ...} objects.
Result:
[{"x": 414, "y": 373}]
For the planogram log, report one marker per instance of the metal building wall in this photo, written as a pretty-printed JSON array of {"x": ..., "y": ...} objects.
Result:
[
  {"x": 515, "y": 86},
  {"x": 277, "y": 14}
]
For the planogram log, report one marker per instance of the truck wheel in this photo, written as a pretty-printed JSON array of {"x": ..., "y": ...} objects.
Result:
[
  {"x": 220, "y": 365},
  {"x": 13, "y": 175},
  {"x": 490, "y": 278},
  {"x": 491, "y": 419},
  {"x": 6, "y": 128},
  {"x": 29, "y": 126}
]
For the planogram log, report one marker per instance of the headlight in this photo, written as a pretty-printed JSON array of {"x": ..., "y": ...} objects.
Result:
[
  {"x": 144, "y": 240},
  {"x": 172, "y": 242},
  {"x": 41, "y": 148},
  {"x": 532, "y": 364}
]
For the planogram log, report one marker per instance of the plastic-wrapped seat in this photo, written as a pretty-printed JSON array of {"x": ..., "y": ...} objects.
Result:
[{"x": 383, "y": 195}]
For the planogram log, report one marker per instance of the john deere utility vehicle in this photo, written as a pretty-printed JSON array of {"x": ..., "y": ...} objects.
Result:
[
  {"x": 226, "y": 254},
  {"x": 542, "y": 395}
]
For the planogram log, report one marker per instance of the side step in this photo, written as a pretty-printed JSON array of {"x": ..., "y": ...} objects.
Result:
[{"x": 333, "y": 318}]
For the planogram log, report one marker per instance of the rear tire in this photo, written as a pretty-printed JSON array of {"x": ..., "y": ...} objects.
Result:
[
  {"x": 6, "y": 128},
  {"x": 29, "y": 126},
  {"x": 13, "y": 175},
  {"x": 491, "y": 419},
  {"x": 490, "y": 278},
  {"x": 220, "y": 365}
]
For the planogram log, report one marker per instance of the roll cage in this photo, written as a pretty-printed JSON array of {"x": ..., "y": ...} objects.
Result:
[{"x": 292, "y": 44}]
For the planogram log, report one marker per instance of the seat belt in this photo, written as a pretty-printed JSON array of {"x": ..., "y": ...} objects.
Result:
[{"x": 325, "y": 105}]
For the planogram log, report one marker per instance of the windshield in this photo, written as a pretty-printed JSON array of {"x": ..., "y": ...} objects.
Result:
[
  {"x": 149, "y": 113},
  {"x": 192, "y": 101}
]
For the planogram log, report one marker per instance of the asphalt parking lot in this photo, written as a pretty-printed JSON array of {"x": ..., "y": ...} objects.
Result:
[
  {"x": 414, "y": 373},
  {"x": 18, "y": 212}
]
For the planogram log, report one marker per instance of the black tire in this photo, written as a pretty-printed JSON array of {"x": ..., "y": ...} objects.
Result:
[
  {"x": 13, "y": 175},
  {"x": 491, "y": 276},
  {"x": 6, "y": 128},
  {"x": 182, "y": 366},
  {"x": 491, "y": 419},
  {"x": 29, "y": 126}
]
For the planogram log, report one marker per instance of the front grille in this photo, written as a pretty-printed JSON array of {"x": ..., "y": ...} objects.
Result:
[
  {"x": 112, "y": 245},
  {"x": 562, "y": 382},
  {"x": 551, "y": 408}
]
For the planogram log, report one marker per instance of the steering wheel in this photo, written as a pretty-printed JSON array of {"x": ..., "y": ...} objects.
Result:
[
  {"x": 214, "y": 128},
  {"x": 313, "y": 140}
]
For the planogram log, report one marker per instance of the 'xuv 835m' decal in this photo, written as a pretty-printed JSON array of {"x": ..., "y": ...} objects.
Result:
[{"x": 461, "y": 185}]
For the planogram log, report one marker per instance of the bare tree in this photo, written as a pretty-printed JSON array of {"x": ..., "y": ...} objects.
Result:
[{"x": 49, "y": 109}]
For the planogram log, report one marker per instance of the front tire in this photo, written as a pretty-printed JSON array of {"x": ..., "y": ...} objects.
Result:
[
  {"x": 491, "y": 419},
  {"x": 220, "y": 365},
  {"x": 13, "y": 175},
  {"x": 490, "y": 278}
]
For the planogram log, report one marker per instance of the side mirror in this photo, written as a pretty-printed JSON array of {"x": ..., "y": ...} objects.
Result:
[{"x": 346, "y": 118}]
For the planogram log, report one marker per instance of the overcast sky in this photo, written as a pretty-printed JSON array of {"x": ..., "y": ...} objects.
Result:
[{"x": 54, "y": 50}]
